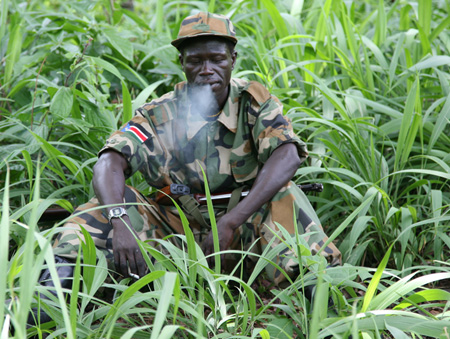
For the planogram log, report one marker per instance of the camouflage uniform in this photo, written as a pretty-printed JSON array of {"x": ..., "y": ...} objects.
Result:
[{"x": 168, "y": 143}]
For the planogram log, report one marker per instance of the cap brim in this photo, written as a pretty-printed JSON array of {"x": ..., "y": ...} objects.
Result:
[{"x": 177, "y": 42}]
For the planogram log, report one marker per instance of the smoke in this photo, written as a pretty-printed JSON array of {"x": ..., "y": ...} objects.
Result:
[
  {"x": 201, "y": 104},
  {"x": 202, "y": 101}
]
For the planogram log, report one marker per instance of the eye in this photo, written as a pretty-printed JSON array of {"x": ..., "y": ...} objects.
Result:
[{"x": 193, "y": 61}]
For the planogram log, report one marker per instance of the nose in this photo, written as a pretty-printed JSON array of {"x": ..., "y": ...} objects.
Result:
[{"x": 206, "y": 68}]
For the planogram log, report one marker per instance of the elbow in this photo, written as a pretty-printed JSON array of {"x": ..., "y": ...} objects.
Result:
[
  {"x": 295, "y": 163},
  {"x": 109, "y": 163},
  {"x": 295, "y": 160},
  {"x": 98, "y": 170},
  {"x": 288, "y": 158},
  {"x": 101, "y": 165}
]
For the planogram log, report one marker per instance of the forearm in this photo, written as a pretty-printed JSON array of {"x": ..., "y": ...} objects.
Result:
[
  {"x": 109, "y": 179},
  {"x": 109, "y": 187},
  {"x": 276, "y": 172}
]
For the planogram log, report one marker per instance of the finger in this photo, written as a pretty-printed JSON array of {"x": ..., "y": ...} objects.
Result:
[
  {"x": 117, "y": 261},
  {"x": 227, "y": 246},
  {"x": 123, "y": 266},
  {"x": 132, "y": 263},
  {"x": 141, "y": 264}
]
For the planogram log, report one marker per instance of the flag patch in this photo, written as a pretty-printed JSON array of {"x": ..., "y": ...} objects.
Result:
[{"x": 135, "y": 130}]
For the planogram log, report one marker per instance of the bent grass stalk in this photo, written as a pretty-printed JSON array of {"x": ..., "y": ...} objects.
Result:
[{"x": 4, "y": 246}]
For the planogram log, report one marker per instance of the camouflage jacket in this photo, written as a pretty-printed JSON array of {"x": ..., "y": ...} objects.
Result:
[{"x": 168, "y": 143}]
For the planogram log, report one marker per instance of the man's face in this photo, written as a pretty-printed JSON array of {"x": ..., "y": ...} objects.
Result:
[{"x": 208, "y": 61}]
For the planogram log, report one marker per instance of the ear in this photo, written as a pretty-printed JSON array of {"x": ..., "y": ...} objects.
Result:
[
  {"x": 180, "y": 58},
  {"x": 233, "y": 59}
]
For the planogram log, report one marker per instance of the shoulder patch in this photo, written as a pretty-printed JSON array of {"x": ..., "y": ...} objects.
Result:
[
  {"x": 258, "y": 92},
  {"x": 137, "y": 131}
]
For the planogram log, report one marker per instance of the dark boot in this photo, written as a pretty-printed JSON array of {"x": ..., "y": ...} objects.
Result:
[{"x": 65, "y": 274}]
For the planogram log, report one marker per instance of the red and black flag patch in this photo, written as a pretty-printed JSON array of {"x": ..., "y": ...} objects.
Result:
[{"x": 137, "y": 131}]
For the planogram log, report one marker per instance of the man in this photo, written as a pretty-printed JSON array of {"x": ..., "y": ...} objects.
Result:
[{"x": 232, "y": 129}]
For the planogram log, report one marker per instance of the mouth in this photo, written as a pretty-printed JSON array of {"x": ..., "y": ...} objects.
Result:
[
  {"x": 208, "y": 82},
  {"x": 215, "y": 86}
]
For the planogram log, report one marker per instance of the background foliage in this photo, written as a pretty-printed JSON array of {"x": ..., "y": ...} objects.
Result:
[{"x": 366, "y": 84}]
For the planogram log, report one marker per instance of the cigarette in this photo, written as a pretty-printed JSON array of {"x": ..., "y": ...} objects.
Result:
[{"x": 135, "y": 276}]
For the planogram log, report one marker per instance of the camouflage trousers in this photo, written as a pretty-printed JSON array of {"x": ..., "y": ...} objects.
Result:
[{"x": 155, "y": 221}]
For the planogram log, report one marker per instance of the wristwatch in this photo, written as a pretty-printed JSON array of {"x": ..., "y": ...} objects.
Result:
[{"x": 116, "y": 212}]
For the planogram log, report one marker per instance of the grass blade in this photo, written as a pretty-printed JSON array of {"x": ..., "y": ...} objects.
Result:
[
  {"x": 14, "y": 47},
  {"x": 380, "y": 26},
  {"x": 424, "y": 13},
  {"x": 4, "y": 242},
  {"x": 127, "y": 112},
  {"x": 408, "y": 128},
  {"x": 213, "y": 224},
  {"x": 371, "y": 289},
  {"x": 442, "y": 120},
  {"x": 170, "y": 280},
  {"x": 3, "y": 17}
]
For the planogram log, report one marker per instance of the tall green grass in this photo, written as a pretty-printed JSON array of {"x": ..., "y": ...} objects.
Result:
[{"x": 188, "y": 299}]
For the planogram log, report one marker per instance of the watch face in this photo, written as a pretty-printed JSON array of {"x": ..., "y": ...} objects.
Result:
[{"x": 117, "y": 212}]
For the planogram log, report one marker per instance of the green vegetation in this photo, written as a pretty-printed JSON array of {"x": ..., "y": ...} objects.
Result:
[{"x": 366, "y": 84}]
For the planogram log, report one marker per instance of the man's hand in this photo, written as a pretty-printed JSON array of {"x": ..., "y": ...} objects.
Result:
[
  {"x": 225, "y": 230},
  {"x": 126, "y": 250}
]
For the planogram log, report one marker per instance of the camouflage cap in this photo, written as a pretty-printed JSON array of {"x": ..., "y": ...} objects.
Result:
[{"x": 205, "y": 24}]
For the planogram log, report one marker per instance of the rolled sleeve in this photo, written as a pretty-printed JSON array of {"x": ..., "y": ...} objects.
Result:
[
  {"x": 140, "y": 147},
  {"x": 125, "y": 145},
  {"x": 273, "y": 129}
]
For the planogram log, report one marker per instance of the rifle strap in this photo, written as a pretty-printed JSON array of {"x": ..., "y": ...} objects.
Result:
[
  {"x": 190, "y": 206},
  {"x": 235, "y": 197}
]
